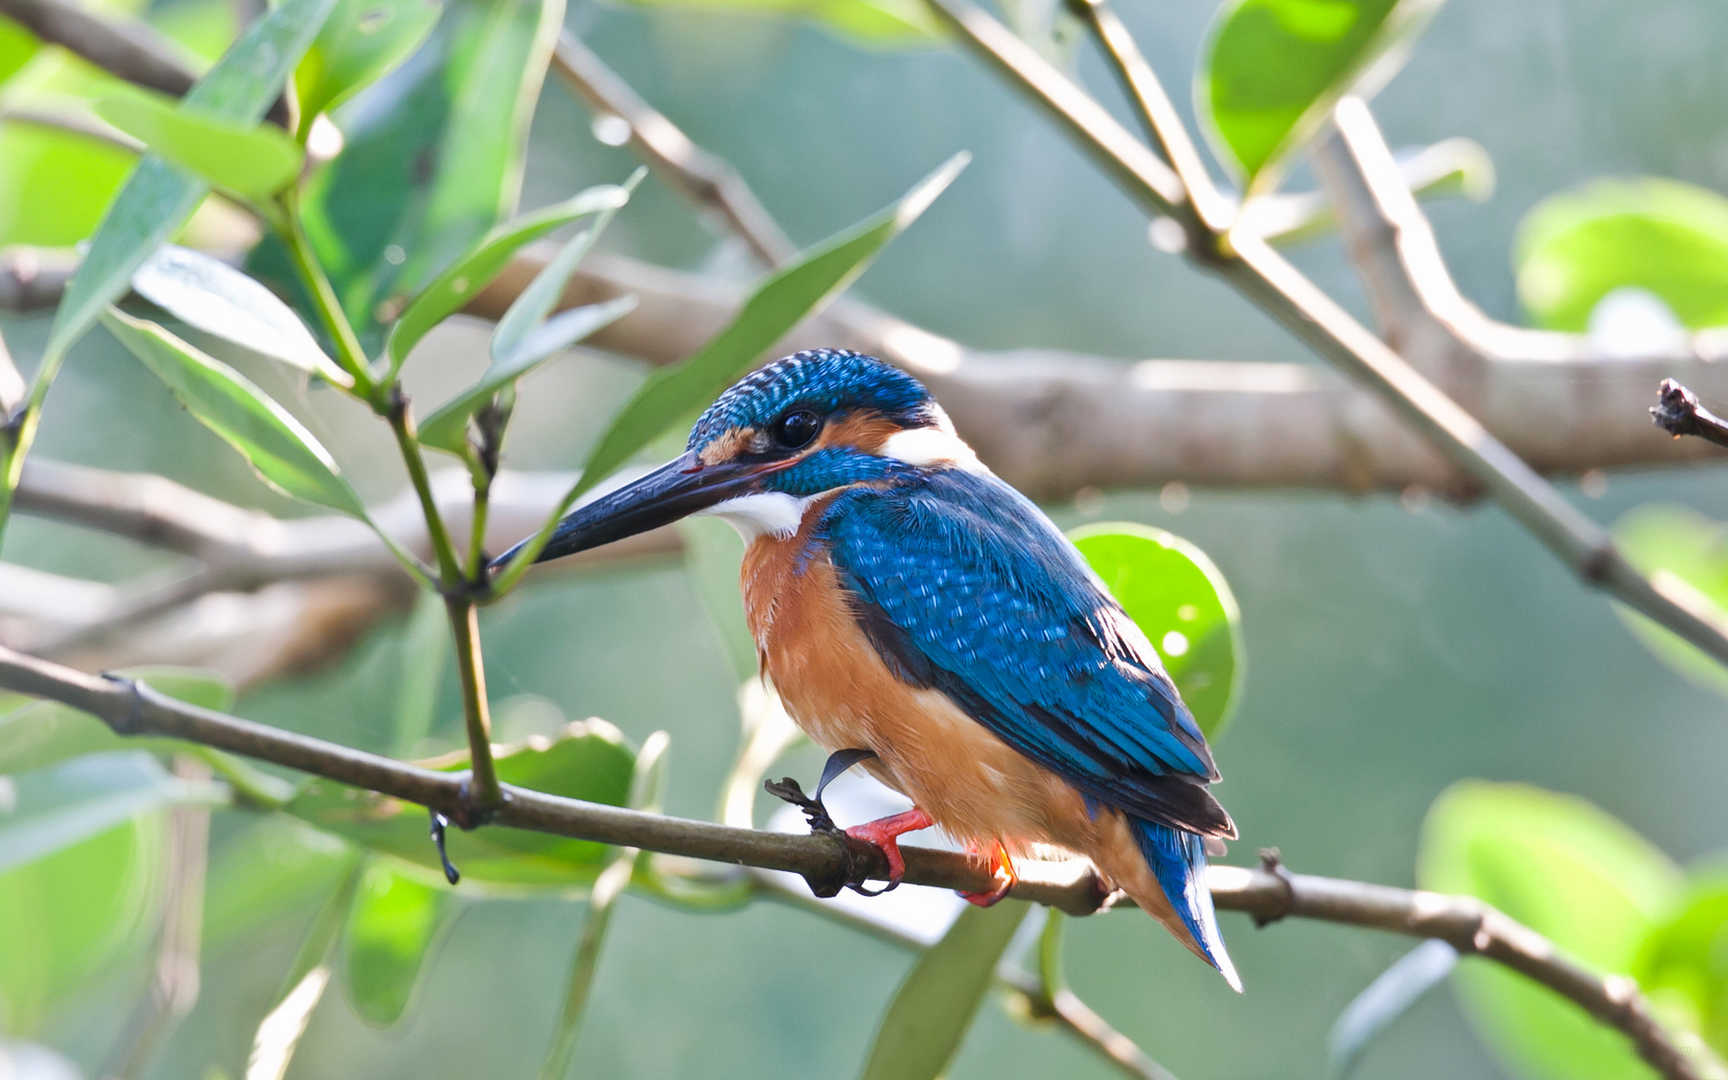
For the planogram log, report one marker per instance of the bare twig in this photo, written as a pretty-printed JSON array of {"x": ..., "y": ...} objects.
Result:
[
  {"x": 132, "y": 50},
  {"x": 1679, "y": 412},
  {"x": 706, "y": 180},
  {"x": 1268, "y": 894},
  {"x": 33, "y": 279},
  {"x": 1268, "y": 280}
]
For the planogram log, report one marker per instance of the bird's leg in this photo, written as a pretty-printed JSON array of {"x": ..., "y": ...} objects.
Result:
[
  {"x": 884, "y": 835},
  {"x": 1006, "y": 878}
]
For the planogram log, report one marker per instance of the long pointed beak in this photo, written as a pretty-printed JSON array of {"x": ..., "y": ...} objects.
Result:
[{"x": 675, "y": 490}]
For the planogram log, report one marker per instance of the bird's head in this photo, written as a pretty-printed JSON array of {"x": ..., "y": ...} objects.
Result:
[{"x": 780, "y": 437}]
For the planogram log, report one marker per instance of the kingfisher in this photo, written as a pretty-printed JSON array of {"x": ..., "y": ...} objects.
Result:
[{"x": 918, "y": 615}]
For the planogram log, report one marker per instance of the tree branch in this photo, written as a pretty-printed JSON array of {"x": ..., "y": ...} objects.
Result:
[
  {"x": 1679, "y": 412},
  {"x": 705, "y": 179},
  {"x": 1278, "y": 288},
  {"x": 133, "y": 51},
  {"x": 133, "y": 708}
]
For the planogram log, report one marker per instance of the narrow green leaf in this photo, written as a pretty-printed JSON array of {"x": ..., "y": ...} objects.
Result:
[
  {"x": 1574, "y": 875},
  {"x": 278, "y": 1036},
  {"x": 207, "y": 293},
  {"x": 284, "y": 454},
  {"x": 447, "y": 428},
  {"x": 1664, "y": 236},
  {"x": 425, "y": 652},
  {"x": 881, "y": 23},
  {"x": 54, "y": 808},
  {"x": 1272, "y": 70},
  {"x": 588, "y": 761},
  {"x": 774, "y": 308},
  {"x": 71, "y": 915},
  {"x": 936, "y": 1003},
  {"x": 451, "y": 290},
  {"x": 1180, "y": 600},
  {"x": 1392, "y": 994},
  {"x": 1687, "y": 550},
  {"x": 158, "y": 197},
  {"x": 361, "y": 41},
  {"x": 252, "y": 160},
  {"x": 395, "y": 923}
]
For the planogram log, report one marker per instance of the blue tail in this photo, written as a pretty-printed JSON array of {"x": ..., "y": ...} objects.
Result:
[{"x": 1178, "y": 859}]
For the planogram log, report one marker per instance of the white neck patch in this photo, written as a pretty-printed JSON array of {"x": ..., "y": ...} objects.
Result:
[
  {"x": 934, "y": 444},
  {"x": 762, "y": 513}
]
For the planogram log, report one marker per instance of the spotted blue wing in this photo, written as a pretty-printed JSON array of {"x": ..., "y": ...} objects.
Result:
[{"x": 964, "y": 586}]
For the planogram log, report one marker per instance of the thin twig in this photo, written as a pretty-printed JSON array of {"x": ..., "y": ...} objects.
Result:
[
  {"x": 1679, "y": 412},
  {"x": 34, "y": 279},
  {"x": 706, "y": 180},
  {"x": 1268, "y": 894},
  {"x": 1267, "y": 279},
  {"x": 132, "y": 51}
]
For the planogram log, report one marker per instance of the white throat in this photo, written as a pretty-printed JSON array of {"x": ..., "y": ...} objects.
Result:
[{"x": 764, "y": 513}]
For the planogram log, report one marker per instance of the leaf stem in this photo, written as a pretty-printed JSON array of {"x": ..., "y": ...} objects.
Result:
[
  {"x": 483, "y": 790},
  {"x": 349, "y": 353}
]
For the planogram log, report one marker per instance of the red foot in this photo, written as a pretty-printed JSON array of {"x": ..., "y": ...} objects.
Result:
[
  {"x": 1006, "y": 879},
  {"x": 884, "y": 833}
]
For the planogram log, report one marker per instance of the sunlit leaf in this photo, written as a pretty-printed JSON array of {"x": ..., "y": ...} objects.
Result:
[
  {"x": 212, "y": 296},
  {"x": 588, "y": 761},
  {"x": 53, "y": 808},
  {"x": 446, "y": 429},
  {"x": 17, "y": 46},
  {"x": 1682, "y": 963},
  {"x": 158, "y": 197},
  {"x": 1272, "y": 70},
  {"x": 1683, "y": 549},
  {"x": 1573, "y": 874},
  {"x": 464, "y": 278},
  {"x": 360, "y": 42},
  {"x": 68, "y": 916},
  {"x": 885, "y": 23},
  {"x": 284, "y": 454},
  {"x": 253, "y": 160},
  {"x": 1175, "y": 594},
  {"x": 777, "y": 305},
  {"x": 1662, "y": 236},
  {"x": 394, "y": 924},
  {"x": 935, "y": 1004}
]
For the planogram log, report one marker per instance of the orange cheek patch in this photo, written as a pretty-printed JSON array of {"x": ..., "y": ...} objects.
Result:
[{"x": 862, "y": 431}]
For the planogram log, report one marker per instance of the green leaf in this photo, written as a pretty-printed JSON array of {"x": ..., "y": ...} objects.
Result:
[
  {"x": 1686, "y": 550},
  {"x": 269, "y": 872},
  {"x": 885, "y": 23},
  {"x": 1175, "y": 594},
  {"x": 447, "y": 428},
  {"x": 588, "y": 761},
  {"x": 1272, "y": 70},
  {"x": 158, "y": 197},
  {"x": 395, "y": 922},
  {"x": 788, "y": 295},
  {"x": 277, "y": 446},
  {"x": 17, "y": 47},
  {"x": 1661, "y": 235},
  {"x": 1571, "y": 873},
  {"x": 207, "y": 293},
  {"x": 73, "y": 914},
  {"x": 1682, "y": 963},
  {"x": 54, "y": 808},
  {"x": 360, "y": 41},
  {"x": 935, "y": 1004},
  {"x": 433, "y": 156},
  {"x": 451, "y": 290},
  {"x": 424, "y": 653},
  {"x": 252, "y": 160},
  {"x": 43, "y": 733}
]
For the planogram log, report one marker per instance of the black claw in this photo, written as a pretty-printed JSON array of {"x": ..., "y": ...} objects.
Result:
[
  {"x": 439, "y": 824},
  {"x": 857, "y": 864}
]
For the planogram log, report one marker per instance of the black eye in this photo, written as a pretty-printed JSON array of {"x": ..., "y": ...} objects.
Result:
[{"x": 797, "y": 428}]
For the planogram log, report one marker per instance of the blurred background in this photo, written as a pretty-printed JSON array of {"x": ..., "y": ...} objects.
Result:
[{"x": 1393, "y": 645}]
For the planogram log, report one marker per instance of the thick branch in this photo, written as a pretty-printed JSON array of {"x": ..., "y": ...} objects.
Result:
[{"x": 1467, "y": 924}]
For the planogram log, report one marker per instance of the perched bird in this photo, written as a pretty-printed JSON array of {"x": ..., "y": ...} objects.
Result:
[{"x": 907, "y": 602}]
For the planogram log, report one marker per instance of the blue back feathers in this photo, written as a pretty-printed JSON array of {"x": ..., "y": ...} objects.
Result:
[{"x": 825, "y": 381}]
